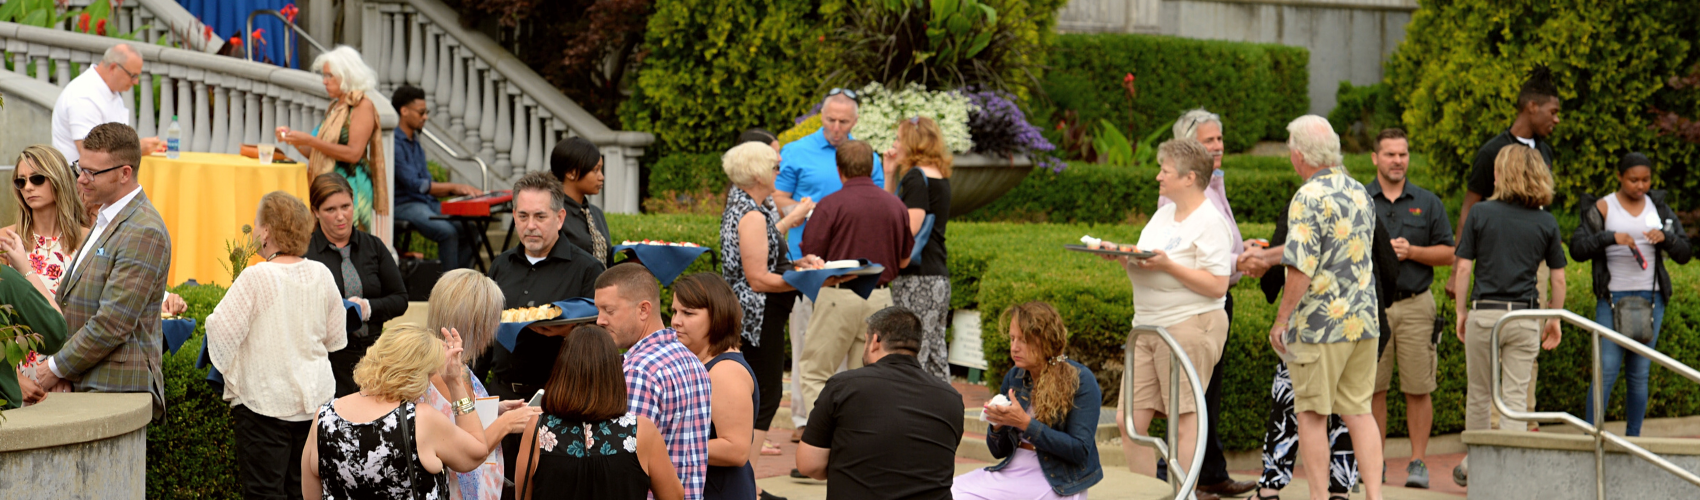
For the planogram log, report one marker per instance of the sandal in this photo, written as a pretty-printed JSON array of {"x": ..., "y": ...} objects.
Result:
[
  {"x": 1256, "y": 496},
  {"x": 1341, "y": 497},
  {"x": 767, "y": 448}
]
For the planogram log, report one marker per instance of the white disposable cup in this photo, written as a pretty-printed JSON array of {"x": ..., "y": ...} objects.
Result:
[{"x": 266, "y": 151}]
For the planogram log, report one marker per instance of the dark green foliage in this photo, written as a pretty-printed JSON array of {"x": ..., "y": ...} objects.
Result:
[
  {"x": 192, "y": 452},
  {"x": 688, "y": 173},
  {"x": 1256, "y": 88},
  {"x": 1459, "y": 69},
  {"x": 1361, "y": 112}
]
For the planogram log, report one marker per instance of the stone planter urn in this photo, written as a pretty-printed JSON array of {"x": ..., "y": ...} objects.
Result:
[{"x": 977, "y": 180}]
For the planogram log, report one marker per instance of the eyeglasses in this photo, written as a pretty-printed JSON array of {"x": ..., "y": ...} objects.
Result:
[
  {"x": 133, "y": 76},
  {"x": 77, "y": 165},
  {"x": 36, "y": 179},
  {"x": 847, "y": 93}
]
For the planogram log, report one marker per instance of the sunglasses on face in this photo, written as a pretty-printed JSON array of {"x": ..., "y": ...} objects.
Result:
[{"x": 36, "y": 179}]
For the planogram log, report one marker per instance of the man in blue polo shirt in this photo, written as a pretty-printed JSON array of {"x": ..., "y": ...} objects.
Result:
[{"x": 808, "y": 170}]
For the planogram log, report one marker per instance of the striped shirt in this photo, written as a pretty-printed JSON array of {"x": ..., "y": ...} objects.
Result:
[{"x": 667, "y": 383}]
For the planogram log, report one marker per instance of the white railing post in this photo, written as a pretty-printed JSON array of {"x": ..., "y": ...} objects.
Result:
[
  {"x": 398, "y": 47},
  {"x": 487, "y": 120},
  {"x": 203, "y": 123},
  {"x": 428, "y": 39},
  {"x": 145, "y": 120},
  {"x": 220, "y": 114},
  {"x": 519, "y": 155},
  {"x": 167, "y": 97},
  {"x": 474, "y": 119},
  {"x": 445, "y": 61},
  {"x": 415, "y": 49},
  {"x": 250, "y": 111},
  {"x": 457, "y": 97},
  {"x": 268, "y": 114},
  {"x": 534, "y": 138},
  {"x": 185, "y": 110}
]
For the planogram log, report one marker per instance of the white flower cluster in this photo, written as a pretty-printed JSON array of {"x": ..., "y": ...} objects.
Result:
[{"x": 881, "y": 109}]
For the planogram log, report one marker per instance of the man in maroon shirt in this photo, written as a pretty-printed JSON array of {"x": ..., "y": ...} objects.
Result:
[{"x": 860, "y": 221}]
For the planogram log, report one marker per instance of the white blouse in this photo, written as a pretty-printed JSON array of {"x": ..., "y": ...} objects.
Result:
[{"x": 272, "y": 336}]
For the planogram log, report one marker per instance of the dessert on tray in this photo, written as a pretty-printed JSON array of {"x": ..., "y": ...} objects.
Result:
[
  {"x": 661, "y": 243},
  {"x": 525, "y": 314}
]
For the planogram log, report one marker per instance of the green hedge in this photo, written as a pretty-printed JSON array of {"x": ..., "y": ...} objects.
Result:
[
  {"x": 192, "y": 453},
  {"x": 1361, "y": 112},
  {"x": 1256, "y": 88},
  {"x": 1258, "y": 188},
  {"x": 1459, "y": 69},
  {"x": 687, "y": 173}
]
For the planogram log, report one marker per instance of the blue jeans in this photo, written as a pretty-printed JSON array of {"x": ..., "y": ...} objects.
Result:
[
  {"x": 1613, "y": 357},
  {"x": 453, "y": 245}
]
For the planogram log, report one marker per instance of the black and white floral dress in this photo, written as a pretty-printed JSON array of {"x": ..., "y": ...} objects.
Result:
[
  {"x": 370, "y": 459},
  {"x": 754, "y": 303}
]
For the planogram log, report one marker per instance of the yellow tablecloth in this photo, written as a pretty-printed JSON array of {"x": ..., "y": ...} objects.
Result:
[{"x": 205, "y": 198}]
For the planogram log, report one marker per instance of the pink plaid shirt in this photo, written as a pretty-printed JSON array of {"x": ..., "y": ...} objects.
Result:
[{"x": 667, "y": 383}]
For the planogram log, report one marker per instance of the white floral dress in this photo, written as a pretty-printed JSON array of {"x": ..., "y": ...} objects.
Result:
[{"x": 589, "y": 460}]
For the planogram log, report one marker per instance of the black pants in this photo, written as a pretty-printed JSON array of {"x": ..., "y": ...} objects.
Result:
[
  {"x": 342, "y": 365},
  {"x": 1215, "y": 467},
  {"x": 268, "y": 454},
  {"x": 768, "y": 360}
]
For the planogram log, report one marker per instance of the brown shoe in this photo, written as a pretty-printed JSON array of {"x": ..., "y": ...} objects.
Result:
[
  {"x": 1229, "y": 488},
  {"x": 797, "y": 435}
]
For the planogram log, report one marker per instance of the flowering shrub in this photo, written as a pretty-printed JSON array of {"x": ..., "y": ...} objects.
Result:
[
  {"x": 881, "y": 109},
  {"x": 999, "y": 128}
]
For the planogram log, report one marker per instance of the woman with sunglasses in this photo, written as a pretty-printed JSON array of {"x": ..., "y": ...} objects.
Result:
[{"x": 41, "y": 243}]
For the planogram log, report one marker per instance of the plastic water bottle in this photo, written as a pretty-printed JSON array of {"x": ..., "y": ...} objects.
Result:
[{"x": 173, "y": 139}]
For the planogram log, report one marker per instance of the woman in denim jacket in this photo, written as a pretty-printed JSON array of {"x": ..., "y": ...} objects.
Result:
[
  {"x": 1045, "y": 436},
  {"x": 1614, "y": 230}
]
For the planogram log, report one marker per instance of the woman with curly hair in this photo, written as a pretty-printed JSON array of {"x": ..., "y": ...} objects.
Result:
[
  {"x": 922, "y": 180},
  {"x": 1045, "y": 436}
]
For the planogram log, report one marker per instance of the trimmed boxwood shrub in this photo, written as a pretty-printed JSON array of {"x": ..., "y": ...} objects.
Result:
[
  {"x": 192, "y": 452},
  {"x": 1256, "y": 88}
]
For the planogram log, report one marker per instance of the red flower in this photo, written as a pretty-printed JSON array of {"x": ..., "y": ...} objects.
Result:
[
  {"x": 236, "y": 40},
  {"x": 289, "y": 12},
  {"x": 100, "y": 27},
  {"x": 1128, "y": 78},
  {"x": 1061, "y": 125},
  {"x": 209, "y": 32},
  {"x": 83, "y": 22},
  {"x": 259, "y": 36}
]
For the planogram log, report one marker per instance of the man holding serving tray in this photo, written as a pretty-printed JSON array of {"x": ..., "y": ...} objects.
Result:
[{"x": 539, "y": 272}]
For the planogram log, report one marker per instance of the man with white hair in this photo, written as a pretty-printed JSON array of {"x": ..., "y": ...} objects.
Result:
[
  {"x": 1213, "y": 479},
  {"x": 95, "y": 97},
  {"x": 808, "y": 172},
  {"x": 1326, "y": 327}
]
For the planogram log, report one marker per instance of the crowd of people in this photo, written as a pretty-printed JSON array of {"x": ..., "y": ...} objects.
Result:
[{"x": 327, "y": 403}]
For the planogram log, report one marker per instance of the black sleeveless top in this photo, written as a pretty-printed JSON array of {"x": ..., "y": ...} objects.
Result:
[
  {"x": 376, "y": 455},
  {"x": 732, "y": 482},
  {"x": 589, "y": 460}
]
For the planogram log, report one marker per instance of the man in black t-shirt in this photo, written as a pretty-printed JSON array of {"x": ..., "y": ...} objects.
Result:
[{"x": 887, "y": 430}]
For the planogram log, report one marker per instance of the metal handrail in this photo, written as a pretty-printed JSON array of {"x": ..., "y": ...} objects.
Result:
[
  {"x": 485, "y": 185},
  {"x": 1601, "y": 436},
  {"x": 248, "y": 45},
  {"x": 1178, "y": 365}
]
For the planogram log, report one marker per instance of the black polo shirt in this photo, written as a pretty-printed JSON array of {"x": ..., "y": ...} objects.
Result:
[
  {"x": 576, "y": 230},
  {"x": 892, "y": 429},
  {"x": 1419, "y": 217},
  {"x": 1508, "y": 242},
  {"x": 567, "y": 272},
  {"x": 380, "y": 279},
  {"x": 1481, "y": 170}
]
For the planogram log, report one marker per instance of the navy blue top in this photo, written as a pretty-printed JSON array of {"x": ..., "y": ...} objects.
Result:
[
  {"x": 1068, "y": 455},
  {"x": 412, "y": 177},
  {"x": 732, "y": 482}
]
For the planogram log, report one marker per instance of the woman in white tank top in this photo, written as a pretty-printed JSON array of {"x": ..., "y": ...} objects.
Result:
[{"x": 1627, "y": 234}]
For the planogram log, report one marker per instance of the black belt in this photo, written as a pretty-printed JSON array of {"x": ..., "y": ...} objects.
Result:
[
  {"x": 1398, "y": 296},
  {"x": 524, "y": 391},
  {"x": 1495, "y": 305}
]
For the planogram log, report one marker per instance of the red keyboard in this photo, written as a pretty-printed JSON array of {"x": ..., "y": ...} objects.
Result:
[{"x": 477, "y": 205}]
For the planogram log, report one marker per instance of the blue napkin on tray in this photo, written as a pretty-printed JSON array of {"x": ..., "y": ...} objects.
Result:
[
  {"x": 507, "y": 334},
  {"x": 177, "y": 331},
  {"x": 354, "y": 321},
  {"x": 665, "y": 261},
  {"x": 214, "y": 378},
  {"x": 809, "y": 282}
]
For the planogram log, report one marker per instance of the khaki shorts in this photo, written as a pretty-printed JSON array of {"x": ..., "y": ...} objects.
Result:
[
  {"x": 1334, "y": 378},
  {"x": 1412, "y": 321},
  {"x": 1201, "y": 337}
]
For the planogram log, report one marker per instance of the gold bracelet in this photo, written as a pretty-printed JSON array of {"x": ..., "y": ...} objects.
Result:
[{"x": 463, "y": 406}]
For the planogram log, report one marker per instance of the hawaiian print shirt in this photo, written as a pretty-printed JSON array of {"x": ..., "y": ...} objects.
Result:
[{"x": 1331, "y": 221}]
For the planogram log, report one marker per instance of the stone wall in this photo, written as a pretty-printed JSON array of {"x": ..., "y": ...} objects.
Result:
[
  {"x": 1348, "y": 39},
  {"x": 1551, "y": 466},
  {"x": 76, "y": 446}
]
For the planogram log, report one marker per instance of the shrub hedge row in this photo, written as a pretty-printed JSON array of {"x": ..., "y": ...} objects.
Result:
[
  {"x": 1256, "y": 88},
  {"x": 995, "y": 265}
]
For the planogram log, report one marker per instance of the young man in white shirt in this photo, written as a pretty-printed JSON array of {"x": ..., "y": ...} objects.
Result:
[{"x": 94, "y": 97}]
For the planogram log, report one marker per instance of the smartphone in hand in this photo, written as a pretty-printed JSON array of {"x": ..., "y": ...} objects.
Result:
[{"x": 537, "y": 400}]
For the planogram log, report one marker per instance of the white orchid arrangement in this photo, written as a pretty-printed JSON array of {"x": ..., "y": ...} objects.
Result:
[{"x": 881, "y": 109}]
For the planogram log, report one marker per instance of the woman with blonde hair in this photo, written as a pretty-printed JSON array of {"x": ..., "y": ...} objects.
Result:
[
  {"x": 1046, "y": 435},
  {"x": 1510, "y": 236},
  {"x": 922, "y": 179},
  {"x": 41, "y": 244},
  {"x": 466, "y": 301},
  {"x": 271, "y": 336},
  {"x": 375, "y": 444},
  {"x": 347, "y": 141}
]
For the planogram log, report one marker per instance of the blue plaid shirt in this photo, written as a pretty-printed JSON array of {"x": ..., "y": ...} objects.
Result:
[{"x": 667, "y": 383}]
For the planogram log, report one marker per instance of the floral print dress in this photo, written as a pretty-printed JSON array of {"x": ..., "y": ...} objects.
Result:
[
  {"x": 589, "y": 460},
  {"x": 485, "y": 482},
  {"x": 372, "y": 459},
  {"x": 50, "y": 262}
]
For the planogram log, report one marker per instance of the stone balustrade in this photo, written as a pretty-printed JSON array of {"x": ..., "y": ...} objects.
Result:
[
  {"x": 76, "y": 445},
  {"x": 488, "y": 102},
  {"x": 164, "y": 18},
  {"x": 220, "y": 102}
]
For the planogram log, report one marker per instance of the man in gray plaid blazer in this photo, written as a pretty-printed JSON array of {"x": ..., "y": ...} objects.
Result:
[{"x": 111, "y": 298}]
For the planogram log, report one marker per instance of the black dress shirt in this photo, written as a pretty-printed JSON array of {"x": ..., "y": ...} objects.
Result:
[
  {"x": 380, "y": 279},
  {"x": 567, "y": 272},
  {"x": 1419, "y": 217},
  {"x": 892, "y": 429},
  {"x": 576, "y": 230}
]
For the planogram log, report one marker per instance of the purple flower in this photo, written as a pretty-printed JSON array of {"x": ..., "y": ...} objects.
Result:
[{"x": 999, "y": 128}]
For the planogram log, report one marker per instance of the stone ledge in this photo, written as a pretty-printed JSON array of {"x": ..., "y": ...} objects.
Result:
[
  {"x": 75, "y": 417},
  {"x": 1574, "y": 442}
]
